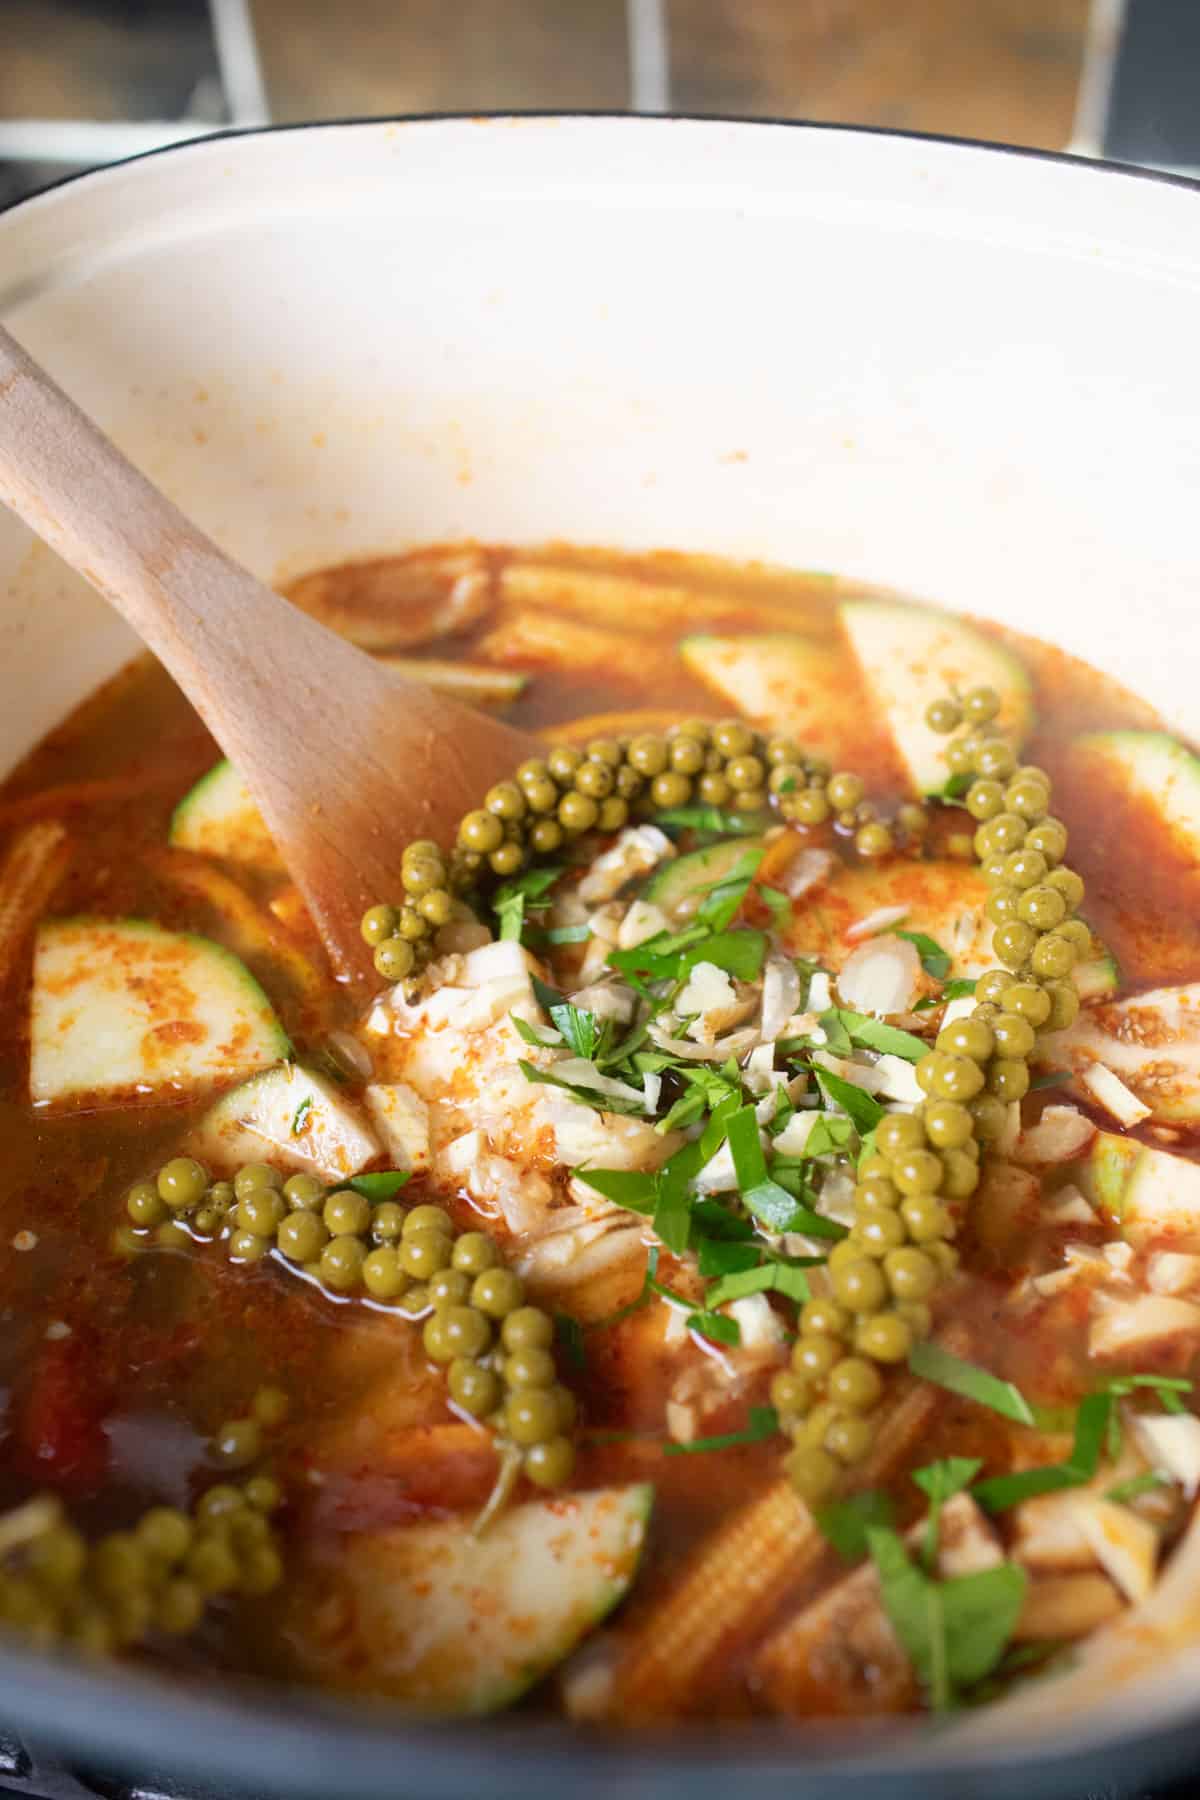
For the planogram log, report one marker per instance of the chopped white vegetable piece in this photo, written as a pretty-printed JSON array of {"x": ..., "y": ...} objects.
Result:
[
  {"x": 882, "y": 919},
  {"x": 1172, "y": 1271},
  {"x": 1133, "y": 1328},
  {"x": 402, "y": 1119},
  {"x": 1170, "y": 1442},
  {"x": 882, "y": 977},
  {"x": 1126, "y": 1547},
  {"x": 1060, "y": 1134},
  {"x": 1112, "y": 1094}
]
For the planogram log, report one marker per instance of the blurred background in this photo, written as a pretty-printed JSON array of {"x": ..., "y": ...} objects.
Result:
[{"x": 83, "y": 82}]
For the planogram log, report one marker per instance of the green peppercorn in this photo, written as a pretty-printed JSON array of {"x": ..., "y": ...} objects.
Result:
[
  {"x": 262, "y": 1212},
  {"x": 943, "y": 716},
  {"x": 378, "y": 923},
  {"x": 541, "y": 796},
  {"x": 1028, "y": 798},
  {"x": 347, "y": 1212},
  {"x": 947, "y": 1124},
  {"x": 578, "y": 813},
  {"x": 648, "y": 755},
  {"x": 505, "y": 800},
  {"x": 813, "y": 1356},
  {"x": 340, "y": 1264},
  {"x": 550, "y": 1465},
  {"x": 824, "y": 1317},
  {"x": 1049, "y": 836},
  {"x": 473, "y": 1387},
  {"x": 424, "y": 1253},
  {"x": 302, "y": 1237},
  {"x": 497, "y": 1292},
  {"x": 427, "y": 1218},
  {"x": 990, "y": 1117},
  {"x": 545, "y": 836},
  {"x": 528, "y": 1367},
  {"x": 961, "y": 1176},
  {"x": 808, "y": 807},
  {"x": 238, "y": 1442},
  {"x": 791, "y": 1394},
  {"x": 1054, "y": 956},
  {"x": 885, "y": 1338},
  {"x": 873, "y": 840},
  {"x": 563, "y": 761},
  {"x": 382, "y": 1275},
  {"x": 248, "y": 1247},
  {"x": 925, "y": 1215},
  {"x": 474, "y": 1252},
  {"x": 455, "y": 1331},
  {"x": 145, "y": 1205},
  {"x": 1013, "y": 943},
  {"x": 918, "y": 1172},
  {"x": 181, "y": 1183},
  {"x": 971, "y": 1037}
]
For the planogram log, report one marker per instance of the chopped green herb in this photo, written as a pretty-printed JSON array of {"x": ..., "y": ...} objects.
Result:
[
  {"x": 1136, "y": 1486},
  {"x": 934, "y": 960},
  {"x": 837, "y": 1038},
  {"x": 830, "y": 1134},
  {"x": 716, "y": 1327},
  {"x": 777, "y": 1275},
  {"x": 587, "y": 1096},
  {"x": 777, "y": 904},
  {"x": 512, "y": 899},
  {"x": 1048, "y": 1078},
  {"x": 932, "y": 1363},
  {"x": 764, "y": 1423},
  {"x": 860, "y": 1107},
  {"x": 724, "y": 898},
  {"x": 298, "y": 1116},
  {"x": 539, "y": 1037},
  {"x": 381, "y": 1185},
  {"x": 716, "y": 1221},
  {"x": 740, "y": 953},
  {"x": 873, "y": 1034},
  {"x": 782, "y": 1112},
  {"x": 625, "y": 1187},
  {"x": 570, "y": 1335},
  {"x": 765, "y": 1198},
  {"x": 727, "y": 1256},
  {"x": 955, "y": 1631},
  {"x": 958, "y": 989},
  {"x": 535, "y": 936},
  {"x": 846, "y": 1522},
  {"x": 712, "y": 819},
  {"x": 956, "y": 786},
  {"x": 1091, "y": 1428},
  {"x": 941, "y": 1481}
]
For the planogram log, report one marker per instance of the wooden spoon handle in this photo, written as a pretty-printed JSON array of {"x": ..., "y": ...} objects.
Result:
[{"x": 189, "y": 601}]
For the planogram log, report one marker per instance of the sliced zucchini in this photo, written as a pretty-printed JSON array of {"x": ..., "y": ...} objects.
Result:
[
  {"x": 290, "y": 1115},
  {"x": 802, "y": 685},
  {"x": 122, "y": 1009},
  {"x": 450, "y": 1623},
  {"x": 687, "y": 878},
  {"x": 910, "y": 655},
  {"x": 219, "y": 817},
  {"x": 1156, "y": 771},
  {"x": 1150, "y": 1041},
  {"x": 1144, "y": 1191}
]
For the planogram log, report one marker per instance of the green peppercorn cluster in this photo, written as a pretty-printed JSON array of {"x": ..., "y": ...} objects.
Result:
[
  {"x": 56, "y": 1587},
  {"x": 240, "y": 1442},
  {"x": 555, "y": 798},
  {"x": 884, "y": 1273},
  {"x": 497, "y": 1350}
]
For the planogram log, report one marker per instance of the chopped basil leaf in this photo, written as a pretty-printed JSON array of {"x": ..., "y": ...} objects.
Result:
[
  {"x": 723, "y": 900},
  {"x": 775, "y": 1275},
  {"x": 777, "y": 904},
  {"x": 837, "y": 1038},
  {"x": 764, "y": 1423},
  {"x": 727, "y": 1256},
  {"x": 941, "y": 1481},
  {"x": 716, "y": 1327},
  {"x": 934, "y": 960},
  {"x": 955, "y": 1631},
  {"x": 888, "y": 1040},
  {"x": 529, "y": 1034},
  {"x": 846, "y": 1522},
  {"x": 1091, "y": 1428},
  {"x": 587, "y": 1096},
  {"x": 570, "y": 1335},
  {"x": 298, "y": 1116},
  {"x": 672, "y": 1212},
  {"x": 932, "y": 1363},
  {"x": 860, "y": 1107},
  {"x": 511, "y": 900},
  {"x": 382, "y": 1185},
  {"x": 712, "y": 818},
  {"x": 829, "y": 1134},
  {"x": 740, "y": 953},
  {"x": 956, "y": 786},
  {"x": 1136, "y": 1486},
  {"x": 625, "y": 1187},
  {"x": 782, "y": 1112},
  {"x": 760, "y": 1195},
  {"x": 535, "y": 937},
  {"x": 958, "y": 989},
  {"x": 718, "y": 1222}
]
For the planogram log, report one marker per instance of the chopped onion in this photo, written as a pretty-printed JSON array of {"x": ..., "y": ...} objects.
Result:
[
  {"x": 780, "y": 996},
  {"x": 880, "y": 978},
  {"x": 1113, "y": 1095},
  {"x": 807, "y": 870},
  {"x": 1060, "y": 1134},
  {"x": 490, "y": 961},
  {"x": 882, "y": 919},
  {"x": 1171, "y": 1442},
  {"x": 733, "y": 1045}
]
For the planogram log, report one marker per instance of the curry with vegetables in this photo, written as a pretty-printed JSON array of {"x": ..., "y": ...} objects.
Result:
[{"x": 745, "y": 1258}]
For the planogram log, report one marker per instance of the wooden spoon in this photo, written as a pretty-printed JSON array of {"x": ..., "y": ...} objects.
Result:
[{"x": 347, "y": 761}]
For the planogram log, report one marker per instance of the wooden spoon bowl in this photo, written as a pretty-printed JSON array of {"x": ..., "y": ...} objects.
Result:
[{"x": 347, "y": 761}]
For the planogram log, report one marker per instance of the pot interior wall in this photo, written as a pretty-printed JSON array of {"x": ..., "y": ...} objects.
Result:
[{"x": 961, "y": 372}]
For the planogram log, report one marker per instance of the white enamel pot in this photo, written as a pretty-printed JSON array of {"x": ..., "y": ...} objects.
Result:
[{"x": 966, "y": 372}]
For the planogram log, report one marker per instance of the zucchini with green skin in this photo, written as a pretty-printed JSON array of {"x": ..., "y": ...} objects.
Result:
[
  {"x": 944, "y": 900},
  {"x": 453, "y": 1624},
  {"x": 1154, "y": 771},
  {"x": 1145, "y": 1192},
  {"x": 1150, "y": 1041},
  {"x": 910, "y": 655},
  {"x": 218, "y": 817},
  {"x": 804, "y": 686},
  {"x": 121, "y": 1009},
  {"x": 290, "y": 1116},
  {"x": 688, "y": 878}
]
